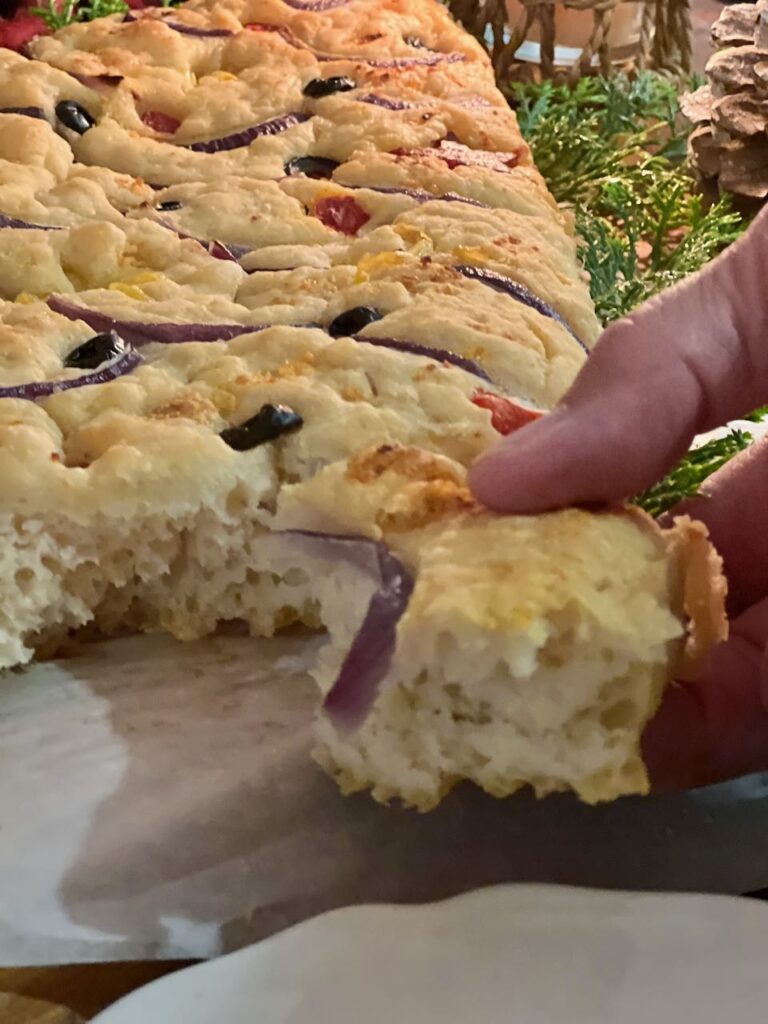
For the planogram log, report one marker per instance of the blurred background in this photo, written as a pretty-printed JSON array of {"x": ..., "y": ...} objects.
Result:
[{"x": 704, "y": 13}]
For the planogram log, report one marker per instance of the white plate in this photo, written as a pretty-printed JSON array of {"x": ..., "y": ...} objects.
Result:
[{"x": 507, "y": 955}]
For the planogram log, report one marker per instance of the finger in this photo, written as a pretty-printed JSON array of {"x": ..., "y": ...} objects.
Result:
[
  {"x": 684, "y": 363},
  {"x": 716, "y": 728},
  {"x": 734, "y": 505}
]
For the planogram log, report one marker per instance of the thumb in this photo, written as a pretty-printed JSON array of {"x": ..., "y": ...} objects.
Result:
[
  {"x": 715, "y": 728},
  {"x": 685, "y": 362}
]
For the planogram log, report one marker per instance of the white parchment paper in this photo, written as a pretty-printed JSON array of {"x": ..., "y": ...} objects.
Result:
[{"x": 157, "y": 800}]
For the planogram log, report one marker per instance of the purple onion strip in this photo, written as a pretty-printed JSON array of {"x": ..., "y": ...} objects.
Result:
[
  {"x": 13, "y": 222},
  {"x": 383, "y": 101},
  {"x": 413, "y": 348},
  {"x": 44, "y": 388},
  {"x": 94, "y": 81},
  {"x": 368, "y": 660},
  {"x": 193, "y": 30},
  {"x": 315, "y": 6},
  {"x": 408, "y": 62},
  {"x": 138, "y": 333},
  {"x": 37, "y": 112},
  {"x": 187, "y": 30},
  {"x": 471, "y": 102},
  {"x": 420, "y": 195},
  {"x": 518, "y": 292},
  {"x": 219, "y": 250},
  {"x": 237, "y": 250},
  {"x": 394, "y": 62},
  {"x": 243, "y": 138},
  {"x": 320, "y": 5}
]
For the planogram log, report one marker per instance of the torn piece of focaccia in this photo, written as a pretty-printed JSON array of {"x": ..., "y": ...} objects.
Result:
[{"x": 531, "y": 650}]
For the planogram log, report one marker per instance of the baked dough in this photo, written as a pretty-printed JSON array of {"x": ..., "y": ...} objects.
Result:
[{"x": 316, "y": 328}]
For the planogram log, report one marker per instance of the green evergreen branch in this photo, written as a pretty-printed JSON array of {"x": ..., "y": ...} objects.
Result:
[
  {"x": 685, "y": 480},
  {"x": 614, "y": 151},
  {"x": 58, "y": 16}
]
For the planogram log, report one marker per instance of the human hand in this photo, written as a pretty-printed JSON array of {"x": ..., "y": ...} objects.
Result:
[{"x": 683, "y": 364}]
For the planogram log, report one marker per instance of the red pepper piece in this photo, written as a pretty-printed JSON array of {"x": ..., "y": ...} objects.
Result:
[
  {"x": 165, "y": 124},
  {"x": 506, "y": 415},
  {"x": 342, "y": 213}
]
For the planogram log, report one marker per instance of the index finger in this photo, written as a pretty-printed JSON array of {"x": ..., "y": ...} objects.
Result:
[{"x": 684, "y": 363}]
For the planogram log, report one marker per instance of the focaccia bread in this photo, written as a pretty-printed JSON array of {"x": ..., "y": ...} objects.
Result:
[
  {"x": 36, "y": 262},
  {"x": 386, "y": 34},
  {"x": 516, "y": 349},
  {"x": 131, "y": 481},
  {"x": 530, "y": 650},
  {"x": 273, "y": 274}
]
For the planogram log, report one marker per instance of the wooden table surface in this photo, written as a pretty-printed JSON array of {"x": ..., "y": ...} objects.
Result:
[{"x": 72, "y": 994}]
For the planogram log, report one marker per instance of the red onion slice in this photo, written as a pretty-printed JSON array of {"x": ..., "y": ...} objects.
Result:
[
  {"x": 407, "y": 62},
  {"x": 315, "y": 6},
  {"x": 219, "y": 250},
  {"x": 470, "y": 102},
  {"x": 244, "y": 137},
  {"x": 124, "y": 363},
  {"x": 421, "y": 196},
  {"x": 455, "y": 154},
  {"x": 37, "y": 112},
  {"x": 186, "y": 30},
  {"x": 383, "y": 101},
  {"x": 394, "y": 62},
  {"x": 138, "y": 333},
  {"x": 413, "y": 348},
  {"x": 224, "y": 250},
  {"x": 281, "y": 30},
  {"x": 24, "y": 225},
  {"x": 466, "y": 102},
  {"x": 95, "y": 81},
  {"x": 516, "y": 291},
  {"x": 194, "y": 30},
  {"x": 369, "y": 658}
]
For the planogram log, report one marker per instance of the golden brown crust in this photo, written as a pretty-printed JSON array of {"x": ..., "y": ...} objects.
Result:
[
  {"x": 412, "y": 463},
  {"x": 696, "y": 572},
  {"x": 704, "y": 589},
  {"x": 188, "y": 405},
  {"x": 429, "y": 502}
]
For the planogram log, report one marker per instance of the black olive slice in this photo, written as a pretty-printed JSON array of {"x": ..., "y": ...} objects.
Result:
[
  {"x": 74, "y": 116},
  {"x": 311, "y": 166},
  {"x": 268, "y": 424},
  {"x": 97, "y": 350},
  {"x": 169, "y": 204},
  {"x": 320, "y": 87},
  {"x": 353, "y": 320}
]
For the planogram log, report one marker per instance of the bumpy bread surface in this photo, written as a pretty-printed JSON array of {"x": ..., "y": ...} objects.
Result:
[
  {"x": 108, "y": 488},
  {"x": 533, "y": 650}
]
